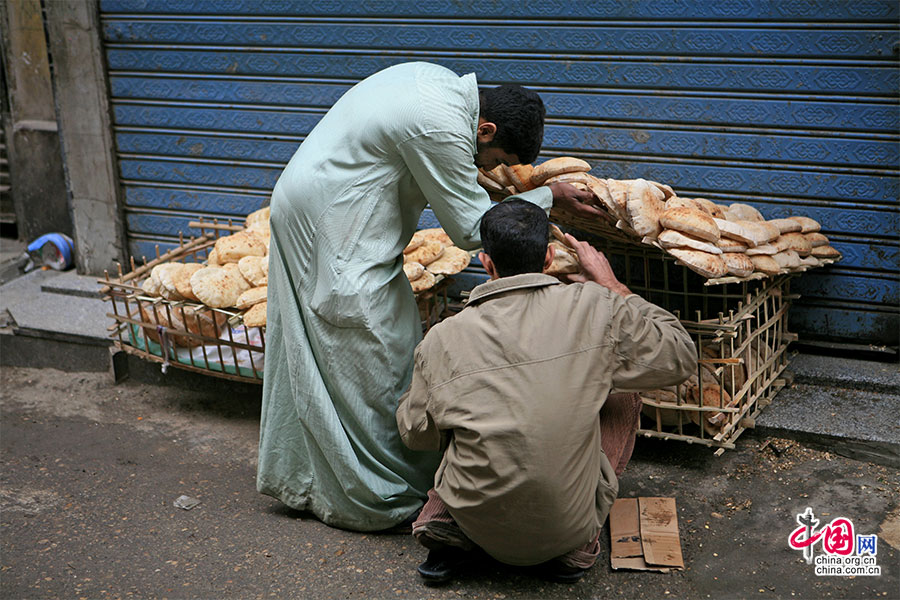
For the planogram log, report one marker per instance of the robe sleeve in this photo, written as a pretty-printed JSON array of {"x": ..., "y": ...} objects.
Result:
[{"x": 444, "y": 168}]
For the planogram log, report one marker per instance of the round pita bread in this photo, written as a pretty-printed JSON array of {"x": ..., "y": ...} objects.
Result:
[
  {"x": 218, "y": 287},
  {"x": 499, "y": 175},
  {"x": 565, "y": 260},
  {"x": 198, "y": 320},
  {"x": 788, "y": 259},
  {"x": 520, "y": 175},
  {"x": 765, "y": 264},
  {"x": 150, "y": 287},
  {"x": 729, "y": 245},
  {"x": 666, "y": 190},
  {"x": 709, "y": 265},
  {"x": 256, "y": 316},
  {"x": 797, "y": 242},
  {"x": 693, "y": 222},
  {"x": 557, "y": 166},
  {"x": 425, "y": 282},
  {"x": 425, "y": 254},
  {"x": 644, "y": 204},
  {"x": 489, "y": 184},
  {"x": 212, "y": 259},
  {"x": 183, "y": 281},
  {"x": 736, "y": 231},
  {"x": 807, "y": 225},
  {"x": 452, "y": 261},
  {"x": 164, "y": 275},
  {"x": 710, "y": 208},
  {"x": 258, "y": 219},
  {"x": 618, "y": 191},
  {"x": 816, "y": 239},
  {"x": 738, "y": 264},
  {"x": 413, "y": 270},
  {"x": 786, "y": 225},
  {"x": 825, "y": 252},
  {"x": 742, "y": 212},
  {"x": 679, "y": 202},
  {"x": 255, "y": 269},
  {"x": 670, "y": 238},
  {"x": 231, "y": 248},
  {"x": 436, "y": 234},
  {"x": 250, "y": 297}
]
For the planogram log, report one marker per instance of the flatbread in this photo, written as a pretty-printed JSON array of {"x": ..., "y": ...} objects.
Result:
[
  {"x": 729, "y": 245},
  {"x": 666, "y": 190},
  {"x": 825, "y": 252},
  {"x": 644, "y": 204},
  {"x": 520, "y": 176},
  {"x": 679, "y": 202},
  {"x": 255, "y": 269},
  {"x": 693, "y": 222},
  {"x": 738, "y": 264},
  {"x": 557, "y": 166},
  {"x": 565, "y": 260},
  {"x": 765, "y": 264},
  {"x": 413, "y": 270},
  {"x": 709, "y": 265},
  {"x": 670, "y": 238},
  {"x": 809, "y": 261},
  {"x": 425, "y": 254},
  {"x": 574, "y": 177},
  {"x": 786, "y": 225},
  {"x": 212, "y": 259},
  {"x": 743, "y": 212},
  {"x": 183, "y": 281},
  {"x": 807, "y": 225},
  {"x": 452, "y": 261},
  {"x": 425, "y": 282},
  {"x": 258, "y": 219},
  {"x": 434, "y": 234},
  {"x": 756, "y": 232},
  {"x": 618, "y": 192},
  {"x": 164, "y": 274},
  {"x": 787, "y": 259},
  {"x": 218, "y": 287},
  {"x": 816, "y": 239},
  {"x": 150, "y": 287},
  {"x": 198, "y": 320},
  {"x": 710, "y": 208},
  {"x": 256, "y": 316},
  {"x": 498, "y": 174},
  {"x": 232, "y": 248},
  {"x": 489, "y": 184},
  {"x": 798, "y": 242},
  {"x": 764, "y": 249},
  {"x": 736, "y": 231},
  {"x": 252, "y": 296}
]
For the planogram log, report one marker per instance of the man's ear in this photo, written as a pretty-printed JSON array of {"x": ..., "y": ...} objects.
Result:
[
  {"x": 486, "y": 131},
  {"x": 488, "y": 265},
  {"x": 548, "y": 257}
]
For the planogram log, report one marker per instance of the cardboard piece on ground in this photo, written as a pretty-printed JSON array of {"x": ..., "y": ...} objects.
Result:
[{"x": 644, "y": 535}]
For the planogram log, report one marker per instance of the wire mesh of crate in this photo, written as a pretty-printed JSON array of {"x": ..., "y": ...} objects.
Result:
[
  {"x": 194, "y": 337},
  {"x": 739, "y": 326}
]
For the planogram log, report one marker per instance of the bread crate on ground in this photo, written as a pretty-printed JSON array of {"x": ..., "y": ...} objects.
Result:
[
  {"x": 739, "y": 326},
  {"x": 202, "y": 305}
]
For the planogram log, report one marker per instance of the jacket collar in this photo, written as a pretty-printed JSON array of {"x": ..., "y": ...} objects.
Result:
[{"x": 506, "y": 284}]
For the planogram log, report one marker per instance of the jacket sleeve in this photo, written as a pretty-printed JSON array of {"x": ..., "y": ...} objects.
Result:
[
  {"x": 417, "y": 427},
  {"x": 652, "y": 348},
  {"x": 443, "y": 166}
]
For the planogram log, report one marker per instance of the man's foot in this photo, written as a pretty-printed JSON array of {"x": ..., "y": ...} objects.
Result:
[
  {"x": 562, "y": 573},
  {"x": 444, "y": 564}
]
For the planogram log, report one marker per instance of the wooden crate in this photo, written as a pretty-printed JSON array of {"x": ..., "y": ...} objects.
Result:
[
  {"x": 739, "y": 326},
  {"x": 183, "y": 335}
]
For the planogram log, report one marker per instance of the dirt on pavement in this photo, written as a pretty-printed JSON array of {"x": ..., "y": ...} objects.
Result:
[{"x": 91, "y": 470}]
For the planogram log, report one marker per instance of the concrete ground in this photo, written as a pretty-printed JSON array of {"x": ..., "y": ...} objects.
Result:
[{"x": 90, "y": 471}]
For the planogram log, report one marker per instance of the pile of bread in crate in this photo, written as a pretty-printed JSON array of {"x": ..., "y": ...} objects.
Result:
[
  {"x": 716, "y": 241},
  {"x": 233, "y": 278},
  {"x": 743, "y": 351}
]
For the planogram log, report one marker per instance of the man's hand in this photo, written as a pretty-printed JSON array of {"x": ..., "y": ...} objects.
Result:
[
  {"x": 595, "y": 267},
  {"x": 569, "y": 199}
]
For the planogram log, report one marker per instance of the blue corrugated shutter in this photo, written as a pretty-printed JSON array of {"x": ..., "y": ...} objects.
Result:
[{"x": 789, "y": 105}]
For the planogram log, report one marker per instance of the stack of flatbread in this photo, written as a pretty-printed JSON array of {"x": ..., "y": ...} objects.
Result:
[
  {"x": 233, "y": 277},
  {"x": 716, "y": 241},
  {"x": 430, "y": 254}
]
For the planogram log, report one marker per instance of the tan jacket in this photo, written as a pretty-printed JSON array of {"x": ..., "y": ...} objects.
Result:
[{"x": 512, "y": 388}]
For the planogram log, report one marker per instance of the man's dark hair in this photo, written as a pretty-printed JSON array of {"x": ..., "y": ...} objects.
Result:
[
  {"x": 514, "y": 234},
  {"x": 519, "y": 116}
]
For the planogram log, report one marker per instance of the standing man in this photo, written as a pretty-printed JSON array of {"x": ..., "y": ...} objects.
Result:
[{"x": 342, "y": 320}]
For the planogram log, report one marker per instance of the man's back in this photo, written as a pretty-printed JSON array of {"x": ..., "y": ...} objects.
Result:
[{"x": 520, "y": 377}]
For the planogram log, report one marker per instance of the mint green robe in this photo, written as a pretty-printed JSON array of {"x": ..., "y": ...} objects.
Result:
[{"x": 342, "y": 320}]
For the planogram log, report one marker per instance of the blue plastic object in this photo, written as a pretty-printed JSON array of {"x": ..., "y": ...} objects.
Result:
[{"x": 54, "y": 250}]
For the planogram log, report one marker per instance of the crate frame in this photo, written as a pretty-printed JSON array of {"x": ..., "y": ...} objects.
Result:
[
  {"x": 128, "y": 330},
  {"x": 739, "y": 326}
]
